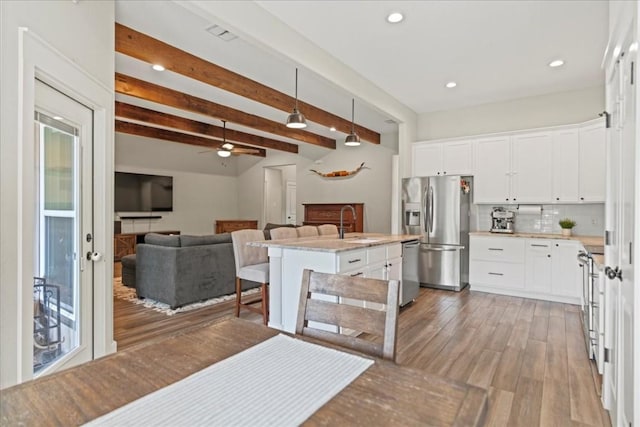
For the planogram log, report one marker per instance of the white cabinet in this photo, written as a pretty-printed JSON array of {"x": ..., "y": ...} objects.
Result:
[
  {"x": 492, "y": 171},
  {"x": 442, "y": 158},
  {"x": 538, "y": 265},
  {"x": 579, "y": 164},
  {"x": 566, "y": 171},
  {"x": 531, "y": 167},
  {"x": 515, "y": 169},
  {"x": 592, "y": 163},
  {"x": 532, "y": 268},
  {"x": 566, "y": 271}
]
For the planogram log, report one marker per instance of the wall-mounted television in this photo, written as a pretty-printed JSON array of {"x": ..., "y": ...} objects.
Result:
[{"x": 135, "y": 192}]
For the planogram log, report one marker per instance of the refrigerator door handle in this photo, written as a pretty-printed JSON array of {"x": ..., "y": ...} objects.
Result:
[
  {"x": 430, "y": 209},
  {"x": 425, "y": 210}
]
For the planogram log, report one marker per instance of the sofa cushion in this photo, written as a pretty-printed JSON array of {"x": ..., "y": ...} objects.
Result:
[
  {"x": 211, "y": 239},
  {"x": 162, "y": 240}
]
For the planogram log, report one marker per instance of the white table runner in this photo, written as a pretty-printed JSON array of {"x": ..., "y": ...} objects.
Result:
[{"x": 279, "y": 382}]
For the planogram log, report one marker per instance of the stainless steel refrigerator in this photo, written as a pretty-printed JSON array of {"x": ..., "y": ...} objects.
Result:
[{"x": 438, "y": 209}]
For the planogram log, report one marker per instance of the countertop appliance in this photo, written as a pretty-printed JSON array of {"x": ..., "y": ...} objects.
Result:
[
  {"x": 410, "y": 286},
  {"x": 438, "y": 209},
  {"x": 502, "y": 220}
]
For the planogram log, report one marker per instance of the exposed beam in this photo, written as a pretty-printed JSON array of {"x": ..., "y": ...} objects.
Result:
[
  {"x": 145, "y": 48},
  {"x": 131, "y": 86},
  {"x": 169, "y": 135},
  {"x": 157, "y": 118}
]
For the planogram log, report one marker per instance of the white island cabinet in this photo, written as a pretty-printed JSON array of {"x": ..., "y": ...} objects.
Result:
[{"x": 367, "y": 255}]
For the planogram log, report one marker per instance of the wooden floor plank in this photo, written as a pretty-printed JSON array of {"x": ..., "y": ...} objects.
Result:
[
  {"x": 529, "y": 354},
  {"x": 527, "y": 403}
]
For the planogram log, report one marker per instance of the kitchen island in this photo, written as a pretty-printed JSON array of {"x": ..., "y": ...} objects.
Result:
[{"x": 358, "y": 254}]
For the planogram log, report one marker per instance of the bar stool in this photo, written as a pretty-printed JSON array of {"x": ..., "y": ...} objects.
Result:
[
  {"x": 252, "y": 263},
  {"x": 328, "y": 229},
  {"x": 283, "y": 233},
  {"x": 307, "y": 231}
]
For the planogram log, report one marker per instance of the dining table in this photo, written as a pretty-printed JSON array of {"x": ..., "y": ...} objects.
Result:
[{"x": 385, "y": 393}]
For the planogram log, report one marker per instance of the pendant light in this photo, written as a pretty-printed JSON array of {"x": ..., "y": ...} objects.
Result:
[
  {"x": 352, "y": 140},
  {"x": 224, "y": 150},
  {"x": 296, "y": 119}
]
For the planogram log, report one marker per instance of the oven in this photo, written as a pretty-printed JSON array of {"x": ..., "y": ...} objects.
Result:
[{"x": 588, "y": 303}]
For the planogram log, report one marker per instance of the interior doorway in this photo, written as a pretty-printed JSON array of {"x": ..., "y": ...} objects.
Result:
[{"x": 279, "y": 205}]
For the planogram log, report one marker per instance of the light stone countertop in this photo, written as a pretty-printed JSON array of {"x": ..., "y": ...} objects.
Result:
[
  {"x": 333, "y": 244},
  {"x": 585, "y": 240}
]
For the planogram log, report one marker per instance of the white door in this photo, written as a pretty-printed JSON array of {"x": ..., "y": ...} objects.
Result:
[
  {"x": 290, "y": 203},
  {"x": 63, "y": 284},
  {"x": 629, "y": 180},
  {"x": 273, "y": 200},
  {"x": 612, "y": 225}
]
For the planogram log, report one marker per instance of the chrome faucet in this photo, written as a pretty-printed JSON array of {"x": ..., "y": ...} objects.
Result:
[{"x": 353, "y": 211}]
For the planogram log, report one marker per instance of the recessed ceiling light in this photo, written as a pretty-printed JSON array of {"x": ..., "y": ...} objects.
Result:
[
  {"x": 332, "y": 128},
  {"x": 395, "y": 17},
  {"x": 556, "y": 63},
  {"x": 157, "y": 67},
  {"x": 451, "y": 85}
]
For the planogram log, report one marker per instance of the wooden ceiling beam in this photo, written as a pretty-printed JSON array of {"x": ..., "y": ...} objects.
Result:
[
  {"x": 145, "y": 48},
  {"x": 183, "y": 138},
  {"x": 157, "y": 118},
  {"x": 137, "y": 88}
]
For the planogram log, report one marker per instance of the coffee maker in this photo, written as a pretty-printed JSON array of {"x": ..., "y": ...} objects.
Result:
[{"x": 502, "y": 220}]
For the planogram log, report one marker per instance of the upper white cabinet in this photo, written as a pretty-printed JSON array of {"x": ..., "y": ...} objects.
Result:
[
  {"x": 566, "y": 165},
  {"x": 592, "y": 163},
  {"x": 442, "y": 158},
  {"x": 493, "y": 170},
  {"x": 531, "y": 167},
  {"x": 514, "y": 169},
  {"x": 579, "y": 164}
]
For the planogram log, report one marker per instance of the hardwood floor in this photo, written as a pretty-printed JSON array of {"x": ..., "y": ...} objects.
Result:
[{"x": 529, "y": 355}]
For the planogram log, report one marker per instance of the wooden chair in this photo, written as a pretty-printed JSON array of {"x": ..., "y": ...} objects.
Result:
[
  {"x": 283, "y": 233},
  {"x": 383, "y": 324},
  {"x": 328, "y": 229},
  {"x": 307, "y": 231},
  {"x": 252, "y": 263}
]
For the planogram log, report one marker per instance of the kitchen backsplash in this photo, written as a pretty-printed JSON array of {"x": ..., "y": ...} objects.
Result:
[{"x": 589, "y": 218}]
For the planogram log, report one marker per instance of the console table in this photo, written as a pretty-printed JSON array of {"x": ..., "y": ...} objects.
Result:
[
  {"x": 329, "y": 213},
  {"x": 229, "y": 225},
  {"x": 125, "y": 243}
]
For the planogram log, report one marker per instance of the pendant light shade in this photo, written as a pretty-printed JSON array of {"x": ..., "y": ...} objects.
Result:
[
  {"x": 296, "y": 119},
  {"x": 352, "y": 140},
  {"x": 224, "y": 151}
]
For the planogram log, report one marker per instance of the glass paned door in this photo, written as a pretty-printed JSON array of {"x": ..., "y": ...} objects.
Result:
[{"x": 62, "y": 293}]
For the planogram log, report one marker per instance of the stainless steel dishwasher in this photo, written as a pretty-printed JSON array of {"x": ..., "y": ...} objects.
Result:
[{"x": 410, "y": 286}]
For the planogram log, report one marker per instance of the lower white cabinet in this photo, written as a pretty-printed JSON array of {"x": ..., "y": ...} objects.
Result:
[{"x": 535, "y": 268}]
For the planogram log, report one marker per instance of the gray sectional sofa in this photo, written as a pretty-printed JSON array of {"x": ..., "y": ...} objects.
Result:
[{"x": 182, "y": 269}]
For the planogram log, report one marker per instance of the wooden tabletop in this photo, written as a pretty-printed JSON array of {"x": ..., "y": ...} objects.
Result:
[{"x": 385, "y": 394}]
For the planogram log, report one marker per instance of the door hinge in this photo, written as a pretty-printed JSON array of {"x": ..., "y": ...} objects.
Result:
[
  {"x": 608, "y": 238},
  {"x": 607, "y": 355},
  {"x": 632, "y": 79},
  {"x": 607, "y": 118}
]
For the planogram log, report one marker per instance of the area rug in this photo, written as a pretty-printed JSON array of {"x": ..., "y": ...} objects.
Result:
[{"x": 126, "y": 293}]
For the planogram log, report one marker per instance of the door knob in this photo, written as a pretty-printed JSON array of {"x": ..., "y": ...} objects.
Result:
[
  {"x": 94, "y": 256},
  {"x": 613, "y": 273}
]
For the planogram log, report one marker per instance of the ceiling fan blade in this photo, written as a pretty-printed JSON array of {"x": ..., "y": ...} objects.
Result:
[{"x": 205, "y": 151}]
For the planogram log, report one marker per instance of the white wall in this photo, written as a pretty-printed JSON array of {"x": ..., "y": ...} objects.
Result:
[
  {"x": 525, "y": 113},
  {"x": 371, "y": 186},
  {"x": 84, "y": 33},
  {"x": 204, "y": 185}
]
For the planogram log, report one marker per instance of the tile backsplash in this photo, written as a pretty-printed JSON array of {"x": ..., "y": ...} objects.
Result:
[{"x": 589, "y": 218}]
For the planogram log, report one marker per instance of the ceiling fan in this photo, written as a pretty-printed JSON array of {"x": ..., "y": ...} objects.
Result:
[{"x": 227, "y": 148}]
